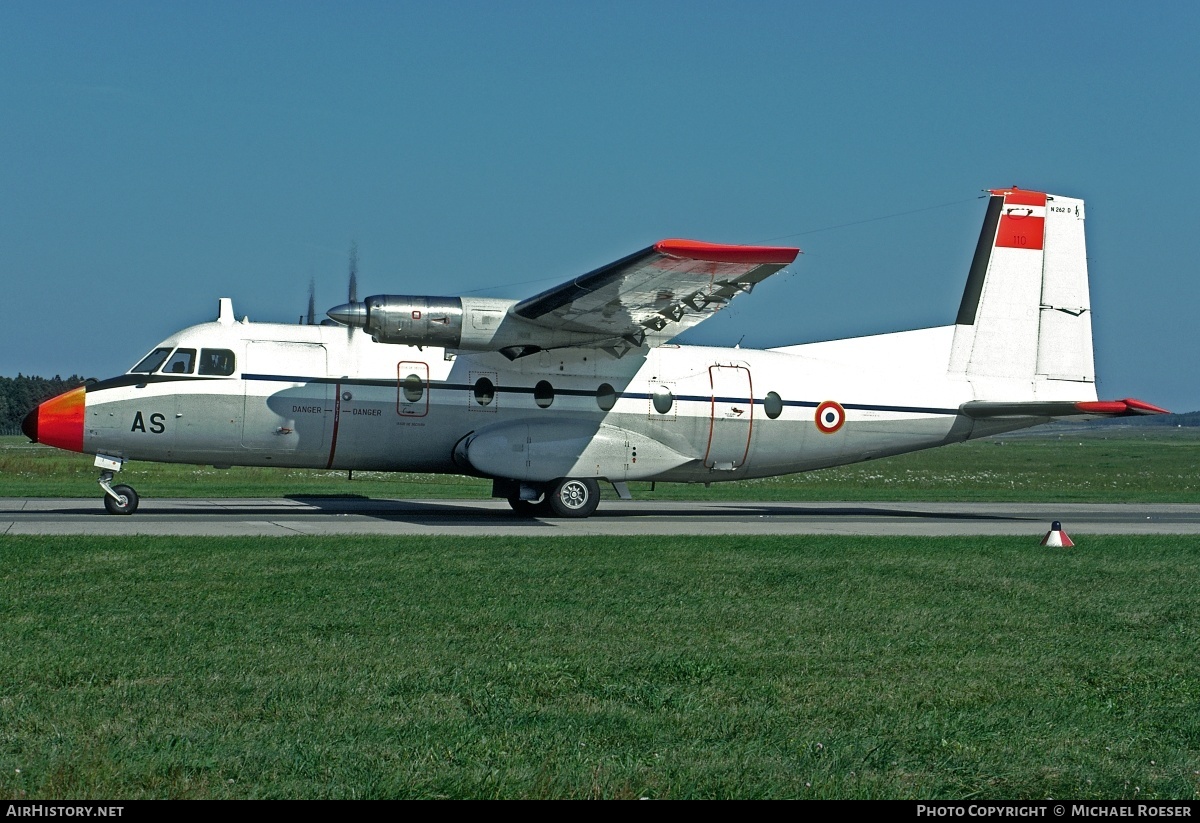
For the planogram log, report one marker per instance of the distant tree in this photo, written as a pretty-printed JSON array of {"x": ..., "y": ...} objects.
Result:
[{"x": 20, "y": 394}]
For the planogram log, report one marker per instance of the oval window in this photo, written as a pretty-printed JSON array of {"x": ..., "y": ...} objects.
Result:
[
  {"x": 543, "y": 394},
  {"x": 485, "y": 390},
  {"x": 773, "y": 405},
  {"x": 414, "y": 389},
  {"x": 663, "y": 400},
  {"x": 606, "y": 397}
]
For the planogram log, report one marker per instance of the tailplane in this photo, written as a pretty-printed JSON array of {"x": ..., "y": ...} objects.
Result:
[{"x": 1026, "y": 312}]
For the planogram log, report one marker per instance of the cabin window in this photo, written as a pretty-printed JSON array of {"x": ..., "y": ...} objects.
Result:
[
  {"x": 773, "y": 405},
  {"x": 183, "y": 361},
  {"x": 606, "y": 397},
  {"x": 151, "y": 362},
  {"x": 663, "y": 399},
  {"x": 485, "y": 391},
  {"x": 543, "y": 394},
  {"x": 413, "y": 388},
  {"x": 218, "y": 362}
]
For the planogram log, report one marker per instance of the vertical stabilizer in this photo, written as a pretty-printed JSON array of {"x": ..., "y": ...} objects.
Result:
[{"x": 1026, "y": 314}]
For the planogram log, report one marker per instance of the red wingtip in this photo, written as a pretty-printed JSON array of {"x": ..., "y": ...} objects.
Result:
[
  {"x": 1102, "y": 406},
  {"x": 720, "y": 253},
  {"x": 1128, "y": 406},
  {"x": 1142, "y": 407}
]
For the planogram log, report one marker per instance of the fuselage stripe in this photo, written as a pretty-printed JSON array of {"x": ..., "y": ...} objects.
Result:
[{"x": 687, "y": 398}]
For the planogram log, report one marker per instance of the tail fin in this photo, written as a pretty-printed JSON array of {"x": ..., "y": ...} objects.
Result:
[{"x": 1026, "y": 313}]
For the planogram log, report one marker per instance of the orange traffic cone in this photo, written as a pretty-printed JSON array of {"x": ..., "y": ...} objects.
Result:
[{"x": 1056, "y": 537}]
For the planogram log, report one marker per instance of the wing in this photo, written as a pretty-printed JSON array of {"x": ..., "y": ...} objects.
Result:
[{"x": 655, "y": 294}]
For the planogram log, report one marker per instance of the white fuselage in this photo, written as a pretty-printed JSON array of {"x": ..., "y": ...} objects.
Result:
[{"x": 330, "y": 397}]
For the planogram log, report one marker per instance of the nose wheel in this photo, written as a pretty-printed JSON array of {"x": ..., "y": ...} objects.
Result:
[
  {"x": 125, "y": 502},
  {"x": 120, "y": 499}
]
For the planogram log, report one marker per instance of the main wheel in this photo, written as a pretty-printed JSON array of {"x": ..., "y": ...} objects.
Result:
[
  {"x": 573, "y": 497},
  {"x": 127, "y": 502},
  {"x": 528, "y": 508}
]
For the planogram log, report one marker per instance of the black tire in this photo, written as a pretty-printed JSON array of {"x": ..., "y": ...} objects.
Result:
[
  {"x": 126, "y": 505},
  {"x": 573, "y": 497},
  {"x": 525, "y": 508}
]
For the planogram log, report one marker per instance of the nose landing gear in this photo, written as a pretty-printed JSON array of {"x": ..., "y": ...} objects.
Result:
[{"x": 120, "y": 499}]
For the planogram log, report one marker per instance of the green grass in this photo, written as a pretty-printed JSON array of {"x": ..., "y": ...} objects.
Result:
[
  {"x": 1106, "y": 465},
  {"x": 807, "y": 667}
]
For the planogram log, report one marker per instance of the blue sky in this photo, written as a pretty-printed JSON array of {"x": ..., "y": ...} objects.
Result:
[{"x": 158, "y": 156}]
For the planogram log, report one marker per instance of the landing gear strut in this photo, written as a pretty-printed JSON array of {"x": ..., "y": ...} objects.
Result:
[{"x": 117, "y": 499}]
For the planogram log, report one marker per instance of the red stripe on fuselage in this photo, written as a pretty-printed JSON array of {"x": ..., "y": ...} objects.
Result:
[{"x": 337, "y": 416}]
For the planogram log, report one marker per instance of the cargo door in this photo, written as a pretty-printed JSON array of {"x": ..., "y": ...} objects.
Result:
[
  {"x": 732, "y": 417},
  {"x": 288, "y": 406}
]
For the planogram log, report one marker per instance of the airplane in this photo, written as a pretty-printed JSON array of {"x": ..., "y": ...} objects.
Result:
[{"x": 582, "y": 383}]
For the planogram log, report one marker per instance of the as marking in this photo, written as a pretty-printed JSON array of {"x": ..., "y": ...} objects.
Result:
[
  {"x": 830, "y": 416},
  {"x": 157, "y": 423}
]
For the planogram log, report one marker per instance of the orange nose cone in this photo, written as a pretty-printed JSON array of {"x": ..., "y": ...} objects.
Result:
[{"x": 58, "y": 422}]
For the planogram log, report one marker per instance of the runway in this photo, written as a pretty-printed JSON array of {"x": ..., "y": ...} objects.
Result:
[{"x": 361, "y": 516}]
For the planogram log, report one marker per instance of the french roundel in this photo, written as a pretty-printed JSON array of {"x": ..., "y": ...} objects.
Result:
[{"x": 830, "y": 416}]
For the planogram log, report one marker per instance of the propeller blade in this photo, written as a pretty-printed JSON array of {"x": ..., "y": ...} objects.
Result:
[
  {"x": 312, "y": 301},
  {"x": 353, "y": 314}
]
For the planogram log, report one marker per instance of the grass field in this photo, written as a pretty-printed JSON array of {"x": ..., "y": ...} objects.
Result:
[
  {"x": 1150, "y": 465},
  {"x": 720, "y": 667},
  {"x": 812, "y": 667}
]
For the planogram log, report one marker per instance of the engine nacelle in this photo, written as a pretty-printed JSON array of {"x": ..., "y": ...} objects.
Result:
[
  {"x": 469, "y": 323},
  {"x": 448, "y": 322}
]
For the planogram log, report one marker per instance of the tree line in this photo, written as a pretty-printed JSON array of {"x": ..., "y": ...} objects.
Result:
[{"x": 20, "y": 394}]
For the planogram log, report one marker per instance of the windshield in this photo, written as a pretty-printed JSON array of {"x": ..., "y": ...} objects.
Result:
[
  {"x": 151, "y": 362},
  {"x": 181, "y": 362}
]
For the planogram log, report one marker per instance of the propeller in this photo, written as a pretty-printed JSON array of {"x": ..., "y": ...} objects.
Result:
[
  {"x": 312, "y": 301},
  {"x": 351, "y": 314}
]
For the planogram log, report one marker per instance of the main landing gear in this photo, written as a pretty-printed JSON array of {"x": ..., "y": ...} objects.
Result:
[
  {"x": 120, "y": 499},
  {"x": 565, "y": 497}
]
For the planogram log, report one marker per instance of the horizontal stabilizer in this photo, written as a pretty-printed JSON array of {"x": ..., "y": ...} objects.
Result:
[{"x": 1129, "y": 407}]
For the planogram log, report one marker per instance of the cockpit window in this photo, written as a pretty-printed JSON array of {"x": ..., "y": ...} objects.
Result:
[
  {"x": 151, "y": 362},
  {"x": 183, "y": 361},
  {"x": 216, "y": 361}
]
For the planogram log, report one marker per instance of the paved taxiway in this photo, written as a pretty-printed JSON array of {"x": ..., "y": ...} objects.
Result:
[{"x": 351, "y": 516}]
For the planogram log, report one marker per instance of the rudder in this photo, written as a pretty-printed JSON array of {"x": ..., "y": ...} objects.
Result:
[{"x": 1026, "y": 313}]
